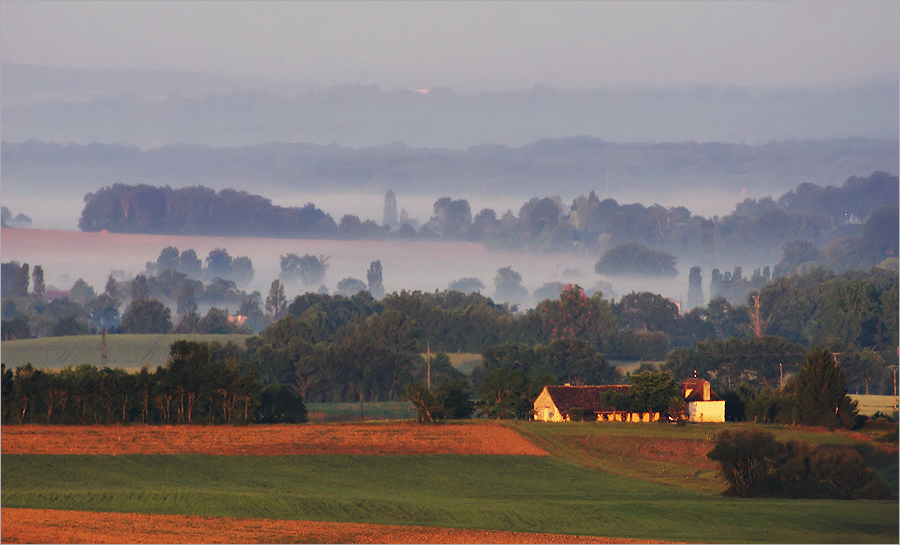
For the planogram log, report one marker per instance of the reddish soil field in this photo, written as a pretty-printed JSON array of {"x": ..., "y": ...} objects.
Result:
[
  {"x": 687, "y": 452},
  {"x": 49, "y": 526},
  {"x": 259, "y": 440}
]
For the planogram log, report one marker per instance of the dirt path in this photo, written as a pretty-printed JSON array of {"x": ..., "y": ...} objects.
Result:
[
  {"x": 51, "y": 526},
  {"x": 259, "y": 440}
]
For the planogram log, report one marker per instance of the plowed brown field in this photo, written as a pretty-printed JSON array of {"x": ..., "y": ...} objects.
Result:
[
  {"x": 271, "y": 440},
  {"x": 49, "y": 526}
]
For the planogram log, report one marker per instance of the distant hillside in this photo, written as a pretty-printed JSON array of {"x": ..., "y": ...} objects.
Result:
[
  {"x": 568, "y": 165},
  {"x": 123, "y": 351},
  {"x": 152, "y": 108}
]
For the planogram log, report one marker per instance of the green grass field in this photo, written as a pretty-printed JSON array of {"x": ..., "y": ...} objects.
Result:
[
  {"x": 518, "y": 493},
  {"x": 572, "y": 491},
  {"x": 467, "y": 361},
  {"x": 382, "y": 410},
  {"x": 129, "y": 352},
  {"x": 871, "y": 404},
  {"x": 559, "y": 440},
  {"x": 464, "y": 362}
]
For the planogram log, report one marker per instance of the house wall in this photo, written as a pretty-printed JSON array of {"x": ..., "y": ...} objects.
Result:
[
  {"x": 627, "y": 417},
  {"x": 545, "y": 410},
  {"x": 705, "y": 411}
]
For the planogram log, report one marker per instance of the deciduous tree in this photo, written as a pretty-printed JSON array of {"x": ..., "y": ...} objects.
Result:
[
  {"x": 652, "y": 392},
  {"x": 276, "y": 302},
  {"x": 146, "y": 316}
]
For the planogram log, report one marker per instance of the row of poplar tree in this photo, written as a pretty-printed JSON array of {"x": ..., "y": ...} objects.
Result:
[{"x": 196, "y": 386}]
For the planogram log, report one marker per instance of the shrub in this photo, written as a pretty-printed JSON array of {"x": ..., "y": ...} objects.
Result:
[
  {"x": 278, "y": 404},
  {"x": 755, "y": 465},
  {"x": 576, "y": 414}
]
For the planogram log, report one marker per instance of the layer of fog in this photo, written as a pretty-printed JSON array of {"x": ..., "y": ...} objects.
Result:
[
  {"x": 66, "y": 256},
  {"x": 417, "y": 265}
]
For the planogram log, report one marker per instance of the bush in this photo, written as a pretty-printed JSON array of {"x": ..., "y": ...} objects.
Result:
[
  {"x": 576, "y": 414},
  {"x": 451, "y": 399},
  {"x": 756, "y": 465},
  {"x": 278, "y": 404}
]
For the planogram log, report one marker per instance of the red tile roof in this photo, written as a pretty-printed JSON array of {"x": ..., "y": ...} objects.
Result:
[
  {"x": 587, "y": 398},
  {"x": 696, "y": 384}
]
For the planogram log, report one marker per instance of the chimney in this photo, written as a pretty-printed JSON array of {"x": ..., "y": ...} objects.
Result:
[{"x": 706, "y": 390}]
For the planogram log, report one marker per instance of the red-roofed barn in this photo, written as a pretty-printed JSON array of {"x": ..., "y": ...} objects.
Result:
[{"x": 555, "y": 403}]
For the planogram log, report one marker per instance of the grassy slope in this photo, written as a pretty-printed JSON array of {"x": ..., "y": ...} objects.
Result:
[
  {"x": 123, "y": 351},
  {"x": 603, "y": 447},
  {"x": 130, "y": 351},
  {"x": 464, "y": 361},
  {"x": 520, "y": 493},
  {"x": 565, "y": 493}
]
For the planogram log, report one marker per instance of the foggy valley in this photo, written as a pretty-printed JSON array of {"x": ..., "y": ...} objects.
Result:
[
  {"x": 440, "y": 271},
  {"x": 68, "y": 133}
]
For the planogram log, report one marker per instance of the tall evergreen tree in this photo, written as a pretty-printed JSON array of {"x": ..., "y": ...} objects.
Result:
[{"x": 821, "y": 392}]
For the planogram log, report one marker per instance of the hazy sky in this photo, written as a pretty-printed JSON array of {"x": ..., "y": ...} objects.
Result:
[{"x": 467, "y": 46}]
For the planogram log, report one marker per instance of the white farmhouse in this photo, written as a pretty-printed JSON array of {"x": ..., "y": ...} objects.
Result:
[{"x": 701, "y": 404}]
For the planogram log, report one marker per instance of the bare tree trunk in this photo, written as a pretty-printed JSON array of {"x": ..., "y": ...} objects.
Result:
[
  {"x": 759, "y": 325},
  {"x": 24, "y": 409}
]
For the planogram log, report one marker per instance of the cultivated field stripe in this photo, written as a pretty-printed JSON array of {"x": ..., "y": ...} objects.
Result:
[
  {"x": 56, "y": 526},
  {"x": 264, "y": 440}
]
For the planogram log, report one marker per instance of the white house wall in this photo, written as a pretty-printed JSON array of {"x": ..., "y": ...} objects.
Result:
[
  {"x": 705, "y": 411},
  {"x": 545, "y": 409}
]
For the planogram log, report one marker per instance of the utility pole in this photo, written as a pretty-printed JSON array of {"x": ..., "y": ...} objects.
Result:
[
  {"x": 894, "y": 367},
  {"x": 429, "y": 366}
]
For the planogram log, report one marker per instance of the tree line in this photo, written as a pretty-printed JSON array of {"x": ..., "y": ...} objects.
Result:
[
  {"x": 198, "y": 211},
  {"x": 833, "y": 220},
  {"x": 199, "y": 384},
  {"x": 758, "y": 343},
  {"x": 143, "y": 304},
  {"x": 336, "y": 348}
]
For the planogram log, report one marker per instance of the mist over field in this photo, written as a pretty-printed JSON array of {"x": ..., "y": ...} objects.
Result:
[
  {"x": 66, "y": 256},
  {"x": 459, "y": 101},
  {"x": 48, "y": 181},
  {"x": 221, "y": 215}
]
